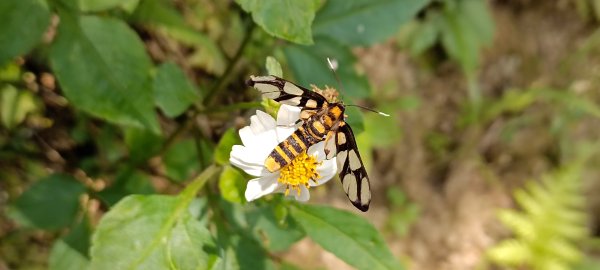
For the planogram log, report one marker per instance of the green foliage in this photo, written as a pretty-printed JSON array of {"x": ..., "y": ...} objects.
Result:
[
  {"x": 549, "y": 227},
  {"x": 462, "y": 27},
  {"x": 115, "y": 84},
  {"x": 309, "y": 66},
  {"x": 23, "y": 23},
  {"x": 364, "y": 22},
  {"x": 346, "y": 236},
  {"x": 37, "y": 209},
  {"x": 293, "y": 20},
  {"x": 173, "y": 92},
  {"x": 140, "y": 96},
  {"x": 154, "y": 232}
]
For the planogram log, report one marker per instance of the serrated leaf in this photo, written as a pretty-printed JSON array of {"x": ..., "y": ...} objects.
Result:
[
  {"x": 50, "y": 203},
  {"x": 273, "y": 67},
  {"x": 103, "y": 69},
  {"x": 173, "y": 91},
  {"x": 309, "y": 65},
  {"x": 23, "y": 23},
  {"x": 364, "y": 22},
  {"x": 224, "y": 146},
  {"x": 152, "y": 232},
  {"x": 346, "y": 235},
  {"x": 232, "y": 185},
  {"x": 287, "y": 19}
]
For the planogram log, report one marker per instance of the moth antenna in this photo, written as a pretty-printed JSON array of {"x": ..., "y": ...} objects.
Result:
[
  {"x": 333, "y": 65},
  {"x": 369, "y": 109}
]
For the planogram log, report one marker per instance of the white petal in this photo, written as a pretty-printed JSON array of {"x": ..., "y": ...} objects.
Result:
[
  {"x": 262, "y": 186},
  {"x": 251, "y": 169},
  {"x": 327, "y": 170},
  {"x": 287, "y": 115},
  {"x": 246, "y": 154},
  {"x": 304, "y": 194},
  {"x": 284, "y": 132},
  {"x": 317, "y": 150},
  {"x": 261, "y": 122}
]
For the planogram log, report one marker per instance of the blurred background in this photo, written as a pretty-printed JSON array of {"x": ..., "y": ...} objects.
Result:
[{"x": 489, "y": 161}]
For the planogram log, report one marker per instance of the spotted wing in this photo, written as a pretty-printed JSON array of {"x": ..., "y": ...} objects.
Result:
[
  {"x": 286, "y": 92},
  {"x": 353, "y": 173}
]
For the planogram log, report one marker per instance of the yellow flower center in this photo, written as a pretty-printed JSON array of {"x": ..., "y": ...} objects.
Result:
[{"x": 301, "y": 170}]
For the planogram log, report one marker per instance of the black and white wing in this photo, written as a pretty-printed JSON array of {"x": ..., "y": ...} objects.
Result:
[
  {"x": 353, "y": 173},
  {"x": 286, "y": 92}
]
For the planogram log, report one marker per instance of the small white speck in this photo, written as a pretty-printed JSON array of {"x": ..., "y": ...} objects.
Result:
[
  {"x": 333, "y": 64},
  {"x": 360, "y": 28}
]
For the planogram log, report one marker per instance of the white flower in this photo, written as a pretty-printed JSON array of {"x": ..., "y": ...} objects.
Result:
[{"x": 260, "y": 138}]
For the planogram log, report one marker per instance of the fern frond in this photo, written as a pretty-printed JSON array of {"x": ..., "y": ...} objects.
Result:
[{"x": 549, "y": 225}]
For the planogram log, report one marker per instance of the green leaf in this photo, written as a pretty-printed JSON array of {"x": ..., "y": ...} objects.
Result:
[
  {"x": 346, "y": 235},
  {"x": 103, "y": 69},
  {"x": 465, "y": 27},
  {"x": 71, "y": 252},
  {"x": 223, "y": 149},
  {"x": 23, "y": 23},
  {"x": 309, "y": 65},
  {"x": 273, "y": 67},
  {"x": 276, "y": 234},
  {"x": 232, "y": 185},
  {"x": 142, "y": 144},
  {"x": 173, "y": 91},
  {"x": 50, "y": 203},
  {"x": 181, "y": 160},
  {"x": 364, "y": 22},
  {"x": 99, "y": 5},
  {"x": 127, "y": 181},
  {"x": 165, "y": 19},
  {"x": 152, "y": 232},
  {"x": 287, "y": 19},
  {"x": 64, "y": 257},
  {"x": 15, "y": 105}
]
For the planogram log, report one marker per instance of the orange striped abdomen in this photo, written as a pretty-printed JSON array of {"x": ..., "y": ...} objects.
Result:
[{"x": 288, "y": 150}]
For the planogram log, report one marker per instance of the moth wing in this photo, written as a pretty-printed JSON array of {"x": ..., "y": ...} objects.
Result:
[{"x": 353, "y": 174}]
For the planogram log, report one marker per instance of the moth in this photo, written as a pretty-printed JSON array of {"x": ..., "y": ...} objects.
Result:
[{"x": 321, "y": 120}]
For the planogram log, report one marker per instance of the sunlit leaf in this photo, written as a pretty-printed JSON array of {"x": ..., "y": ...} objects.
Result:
[
  {"x": 15, "y": 105},
  {"x": 232, "y": 185},
  {"x": 103, "y": 69},
  {"x": 364, "y": 22},
  {"x": 64, "y": 257},
  {"x": 273, "y": 67},
  {"x": 23, "y": 23},
  {"x": 152, "y": 232},
  {"x": 349, "y": 237},
  {"x": 287, "y": 19},
  {"x": 224, "y": 146}
]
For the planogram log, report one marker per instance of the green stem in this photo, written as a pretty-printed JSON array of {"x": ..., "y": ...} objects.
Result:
[
  {"x": 189, "y": 193},
  {"x": 221, "y": 82},
  {"x": 210, "y": 95}
]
